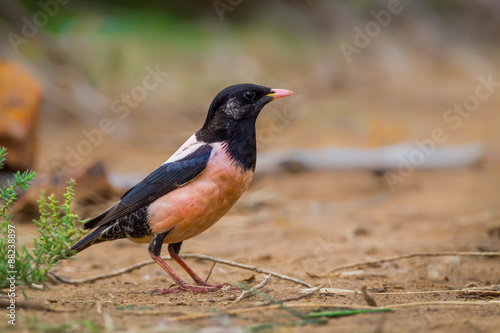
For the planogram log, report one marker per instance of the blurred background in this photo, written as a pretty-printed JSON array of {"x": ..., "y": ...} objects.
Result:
[
  {"x": 366, "y": 73},
  {"x": 105, "y": 91}
]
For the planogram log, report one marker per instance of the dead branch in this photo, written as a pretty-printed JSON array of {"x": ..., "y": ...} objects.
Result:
[
  {"x": 413, "y": 255},
  {"x": 185, "y": 256}
]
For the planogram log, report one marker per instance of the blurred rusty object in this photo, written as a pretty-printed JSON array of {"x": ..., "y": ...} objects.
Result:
[{"x": 19, "y": 104}]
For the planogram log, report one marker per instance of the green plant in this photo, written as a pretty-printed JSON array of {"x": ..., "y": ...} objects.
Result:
[
  {"x": 58, "y": 230},
  {"x": 297, "y": 318}
]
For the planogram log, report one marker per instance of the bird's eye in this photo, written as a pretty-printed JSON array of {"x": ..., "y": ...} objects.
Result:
[{"x": 249, "y": 95}]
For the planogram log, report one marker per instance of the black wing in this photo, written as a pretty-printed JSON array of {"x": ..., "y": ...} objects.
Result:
[{"x": 166, "y": 178}]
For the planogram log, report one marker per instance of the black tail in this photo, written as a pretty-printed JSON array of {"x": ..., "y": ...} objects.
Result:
[
  {"x": 90, "y": 239},
  {"x": 103, "y": 233},
  {"x": 96, "y": 220}
]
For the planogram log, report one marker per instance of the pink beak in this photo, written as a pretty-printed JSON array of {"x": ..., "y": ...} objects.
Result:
[{"x": 278, "y": 93}]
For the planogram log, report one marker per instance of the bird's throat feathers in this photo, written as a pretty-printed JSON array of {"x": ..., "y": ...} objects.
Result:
[{"x": 239, "y": 141}]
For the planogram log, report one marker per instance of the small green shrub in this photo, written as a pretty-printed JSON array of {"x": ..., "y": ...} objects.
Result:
[{"x": 58, "y": 230}]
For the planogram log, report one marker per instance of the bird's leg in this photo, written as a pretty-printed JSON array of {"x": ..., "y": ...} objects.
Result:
[
  {"x": 173, "y": 250},
  {"x": 155, "y": 250}
]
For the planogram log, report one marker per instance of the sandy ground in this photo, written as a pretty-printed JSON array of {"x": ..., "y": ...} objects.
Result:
[{"x": 277, "y": 228}]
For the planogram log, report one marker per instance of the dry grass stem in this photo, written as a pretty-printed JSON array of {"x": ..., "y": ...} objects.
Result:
[
  {"x": 413, "y": 255},
  {"x": 367, "y": 296},
  {"x": 324, "y": 306},
  {"x": 247, "y": 293},
  {"x": 484, "y": 291},
  {"x": 291, "y": 299}
]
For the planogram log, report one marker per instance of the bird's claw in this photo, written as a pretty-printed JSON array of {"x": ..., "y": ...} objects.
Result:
[{"x": 164, "y": 291}]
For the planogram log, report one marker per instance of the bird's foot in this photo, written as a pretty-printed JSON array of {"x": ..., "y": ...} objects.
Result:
[
  {"x": 217, "y": 286},
  {"x": 200, "y": 288}
]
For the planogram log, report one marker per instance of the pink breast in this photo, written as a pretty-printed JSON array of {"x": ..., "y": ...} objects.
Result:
[{"x": 195, "y": 207}]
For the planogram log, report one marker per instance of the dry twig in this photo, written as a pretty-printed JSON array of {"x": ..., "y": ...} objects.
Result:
[
  {"x": 268, "y": 307},
  {"x": 291, "y": 299},
  {"x": 416, "y": 254},
  {"x": 324, "y": 306},
  {"x": 493, "y": 290},
  {"x": 26, "y": 304},
  {"x": 185, "y": 256},
  {"x": 483, "y": 291},
  {"x": 247, "y": 293},
  {"x": 367, "y": 296},
  {"x": 337, "y": 291}
]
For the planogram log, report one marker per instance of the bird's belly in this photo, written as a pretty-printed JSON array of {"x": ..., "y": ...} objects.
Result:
[{"x": 193, "y": 208}]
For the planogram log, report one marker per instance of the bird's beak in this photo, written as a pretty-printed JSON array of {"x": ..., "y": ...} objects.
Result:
[{"x": 278, "y": 93}]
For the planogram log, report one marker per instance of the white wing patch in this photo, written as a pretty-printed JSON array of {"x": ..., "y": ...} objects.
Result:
[{"x": 187, "y": 148}]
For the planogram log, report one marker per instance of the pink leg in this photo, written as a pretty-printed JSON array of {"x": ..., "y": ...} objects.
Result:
[
  {"x": 173, "y": 249},
  {"x": 199, "y": 281},
  {"x": 181, "y": 285}
]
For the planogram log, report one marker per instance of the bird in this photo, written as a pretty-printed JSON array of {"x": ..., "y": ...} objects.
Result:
[{"x": 194, "y": 188}]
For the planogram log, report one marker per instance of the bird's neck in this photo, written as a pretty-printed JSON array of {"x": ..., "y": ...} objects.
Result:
[
  {"x": 239, "y": 140},
  {"x": 242, "y": 145}
]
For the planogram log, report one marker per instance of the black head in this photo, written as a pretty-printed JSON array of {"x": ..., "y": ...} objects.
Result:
[
  {"x": 237, "y": 104},
  {"x": 232, "y": 115}
]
